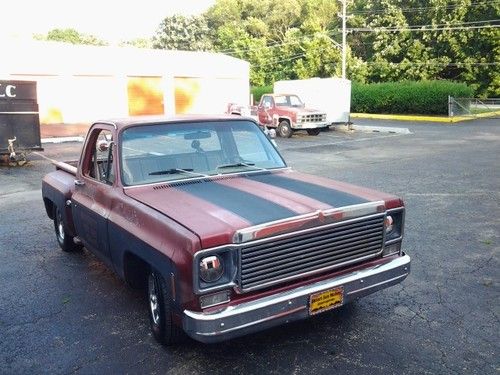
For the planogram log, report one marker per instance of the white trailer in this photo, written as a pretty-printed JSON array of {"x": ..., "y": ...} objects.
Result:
[{"x": 330, "y": 95}]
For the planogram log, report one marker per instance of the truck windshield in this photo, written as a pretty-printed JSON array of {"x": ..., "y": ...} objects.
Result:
[
  {"x": 288, "y": 101},
  {"x": 166, "y": 152}
]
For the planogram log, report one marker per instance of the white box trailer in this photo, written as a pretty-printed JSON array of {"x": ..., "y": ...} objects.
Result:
[{"x": 330, "y": 95}]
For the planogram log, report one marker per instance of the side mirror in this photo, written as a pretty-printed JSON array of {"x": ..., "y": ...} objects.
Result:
[{"x": 103, "y": 146}]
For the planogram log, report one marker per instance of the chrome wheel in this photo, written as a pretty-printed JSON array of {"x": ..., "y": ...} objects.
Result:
[
  {"x": 60, "y": 226},
  {"x": 284, "y": 129},
  {"x": 163, "y": 328},
  {"x": 154, "y": 306},
  {"x": 65, "y": 240}
]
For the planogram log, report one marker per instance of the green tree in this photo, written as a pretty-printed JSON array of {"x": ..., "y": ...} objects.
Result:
[
  {"x": 71, "y": 36},
  {"x": 183, "y": 33},
  {"x": 297, "y": 39},
  {"x": 467, "y": 55}
]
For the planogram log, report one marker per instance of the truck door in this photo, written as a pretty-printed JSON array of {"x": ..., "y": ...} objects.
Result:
[
  {"x": 265, "y": 110},
  {"x": 92, "y": 198}
]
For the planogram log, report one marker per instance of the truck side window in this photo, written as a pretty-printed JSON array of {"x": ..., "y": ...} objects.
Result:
[
  {"x": 268, "y": 100},
  {"x": 101, "y": 167}
]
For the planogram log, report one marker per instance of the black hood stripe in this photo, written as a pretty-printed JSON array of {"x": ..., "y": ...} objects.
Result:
[
  {"x": 334, "y": 198},
  {"x": 250, "y": 207}
]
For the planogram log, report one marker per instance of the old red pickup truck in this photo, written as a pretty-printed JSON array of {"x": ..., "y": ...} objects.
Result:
[
  {"x": 204, "y": 214},
  {"x": 288, "y": 113}
]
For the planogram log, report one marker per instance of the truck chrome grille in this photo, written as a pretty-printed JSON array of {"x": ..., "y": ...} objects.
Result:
[
  {"x": 317, "y": 117},
  {"x": 310, "y": 252}
]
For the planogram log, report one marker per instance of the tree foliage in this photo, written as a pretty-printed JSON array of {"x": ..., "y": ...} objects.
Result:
[
  {"x": 71, "y": 36},
  {"x": 299, "y": 39},
  {"x": 183, "y": 33}
]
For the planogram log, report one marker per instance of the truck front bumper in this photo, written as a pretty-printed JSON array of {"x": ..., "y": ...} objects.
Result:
[
  {"x": 310, "y": 125},
  {"x": 292, "y": 304}
]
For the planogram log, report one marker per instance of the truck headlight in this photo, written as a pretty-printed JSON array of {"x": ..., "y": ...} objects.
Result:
[
  {"x": 211, "y": 268},
  {"x": 388, "y": 224},
  {"x": 393, "y": 224}
]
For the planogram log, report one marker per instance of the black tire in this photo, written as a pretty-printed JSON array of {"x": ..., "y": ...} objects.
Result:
[
  {"x": 285, "y": 129},
  {"x": 64, "y": 240},
  {"x": 164, "y": 330},
  {"x": 313, "y": 131}
]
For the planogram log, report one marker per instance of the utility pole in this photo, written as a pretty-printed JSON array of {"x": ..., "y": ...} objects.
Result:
[{"x": 344, "y": 34}]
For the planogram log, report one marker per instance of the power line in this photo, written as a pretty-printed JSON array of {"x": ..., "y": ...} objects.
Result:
[
  {"x": 391, "y": 30},
  {"x": 277, "y": 44},
  {"x": 277, "y": 61},
  {"x": 270, "y": 45},
  {"x": 431, "y": 63},
  {"x": 447, "y": 24},
  {"x": 418, "y": 28},
  {"x": 420, "y": 9},
  {"x": 389, "y": 64}
]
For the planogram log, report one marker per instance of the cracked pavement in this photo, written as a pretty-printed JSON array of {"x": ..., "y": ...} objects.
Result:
[{"x": 67, "y": 313}]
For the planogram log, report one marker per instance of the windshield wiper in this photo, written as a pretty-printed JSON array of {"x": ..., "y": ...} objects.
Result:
[
  {"x": 240, "y": 164},
  {"x": 177, "y": 171}
]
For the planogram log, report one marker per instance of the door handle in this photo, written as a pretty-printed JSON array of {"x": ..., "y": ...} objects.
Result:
[{"x": 79, "y": 182}]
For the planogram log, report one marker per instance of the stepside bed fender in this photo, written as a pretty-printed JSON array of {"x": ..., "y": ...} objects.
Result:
[{"x": 57, "y": 189}]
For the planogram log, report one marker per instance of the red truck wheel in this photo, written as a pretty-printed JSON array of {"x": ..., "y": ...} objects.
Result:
[
  {"x": 164, "y": 329},
  {"x": 284, "y": 129},
  {"x": 64, "y": 240}
]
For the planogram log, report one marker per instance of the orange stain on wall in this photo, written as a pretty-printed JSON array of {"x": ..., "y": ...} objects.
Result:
[
  {"x": 186, "y": 93},
  {"x": 145, "y": 96},
  {"x": 52, "y": 116}
]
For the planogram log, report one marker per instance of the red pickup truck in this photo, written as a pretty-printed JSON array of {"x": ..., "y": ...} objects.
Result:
[
  {"x": 288, "y": 113},
  {"x": 204, "y": 214}
]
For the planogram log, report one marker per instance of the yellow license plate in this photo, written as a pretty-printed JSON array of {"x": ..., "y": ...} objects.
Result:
[{"x": 326, "y": 300}]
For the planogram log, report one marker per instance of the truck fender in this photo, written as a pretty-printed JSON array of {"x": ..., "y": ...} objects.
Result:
[
  {"x": 281, "y": 118},
  {"x": 133, "y": 258},
  {"x": 57, "y": 191}
]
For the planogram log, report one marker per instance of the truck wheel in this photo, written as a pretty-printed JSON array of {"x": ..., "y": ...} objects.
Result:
[
  {"x": 163, "y": 328},
  {"x": 313, "y": 131},
  {"x": 63, "y": 238},
  {"x": 284, "y": 129}
]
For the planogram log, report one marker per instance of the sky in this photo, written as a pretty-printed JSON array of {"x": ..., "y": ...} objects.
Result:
[{"x": 111, "y": 20}]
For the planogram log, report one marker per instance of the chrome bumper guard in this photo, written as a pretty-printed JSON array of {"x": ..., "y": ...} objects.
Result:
[
  {"x": 290, "y": 305},
  {"x": 311, "y": 125}
]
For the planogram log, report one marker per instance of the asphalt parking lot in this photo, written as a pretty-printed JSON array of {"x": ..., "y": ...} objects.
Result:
[{"x": 67, "y": 313}]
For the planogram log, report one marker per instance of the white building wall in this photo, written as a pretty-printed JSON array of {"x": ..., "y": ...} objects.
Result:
[{"x": 79, "y": 84}]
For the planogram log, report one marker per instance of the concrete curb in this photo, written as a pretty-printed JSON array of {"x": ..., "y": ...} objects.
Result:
[
  {"x": 371, "y": 129},
  {"x": 62, "y": 139},
  {"x": 444, "y": 120},
  {"x": 380, "y": 129}
]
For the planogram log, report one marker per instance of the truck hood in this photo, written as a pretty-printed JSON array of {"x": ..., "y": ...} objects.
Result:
[
  {"x": 305, "y": 111},
  {"x": 232, "y": 209}
]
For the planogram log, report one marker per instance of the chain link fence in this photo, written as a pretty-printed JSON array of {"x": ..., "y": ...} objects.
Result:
[{"x": 473, "y": 107}]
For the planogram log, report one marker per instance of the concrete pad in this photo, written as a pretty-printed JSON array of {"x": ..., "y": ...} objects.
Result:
[
  {"x": 380, "y": 129},
  {"x": 62, "y": 139}
]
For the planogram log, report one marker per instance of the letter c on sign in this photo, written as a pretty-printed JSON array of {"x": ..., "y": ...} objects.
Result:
[{"x": 9, "y": 91}]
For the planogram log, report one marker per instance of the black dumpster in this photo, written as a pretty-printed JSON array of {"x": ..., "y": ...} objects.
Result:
[{"x": 19, "y": 117}]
